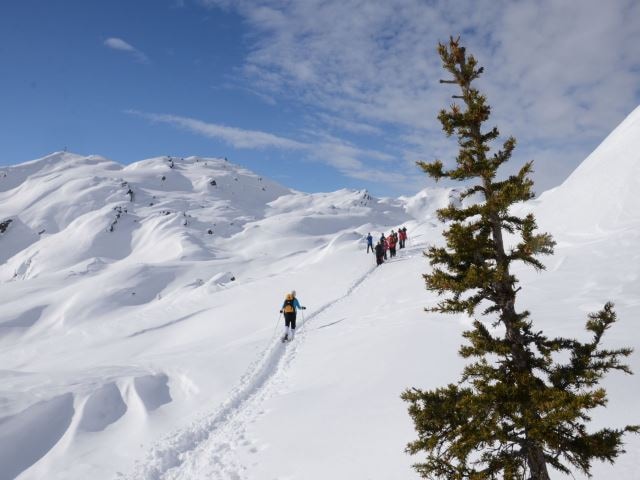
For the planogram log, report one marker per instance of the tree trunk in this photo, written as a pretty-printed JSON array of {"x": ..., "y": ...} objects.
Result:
[
  {"x": 537, "y": 464},
  {"x": 535, "y": 454}
]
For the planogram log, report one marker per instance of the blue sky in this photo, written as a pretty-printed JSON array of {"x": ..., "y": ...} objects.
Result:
[{"x": 317, "y": 94}]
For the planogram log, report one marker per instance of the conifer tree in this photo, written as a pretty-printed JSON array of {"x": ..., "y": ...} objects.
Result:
[{"x": 522, "y": 405}]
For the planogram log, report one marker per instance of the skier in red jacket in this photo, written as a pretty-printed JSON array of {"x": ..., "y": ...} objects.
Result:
[
  {"x": 391, "y": 239},
  {"x": 402, "y": 236}
]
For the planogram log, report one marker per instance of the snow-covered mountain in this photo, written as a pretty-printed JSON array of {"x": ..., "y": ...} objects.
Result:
[
  {"x": 601, "y": 195},
  {"x": 139, "y": 331},
  {"x": 137, "y": 297}
]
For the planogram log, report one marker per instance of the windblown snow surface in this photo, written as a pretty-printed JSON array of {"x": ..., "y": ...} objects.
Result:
[{"x": 135, "y": 344}]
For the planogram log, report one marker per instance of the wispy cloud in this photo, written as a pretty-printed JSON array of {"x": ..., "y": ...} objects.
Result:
[
  {"x": 559, "y": 74},
  {"x": 236, "y": 137},
  {"x": 350, "y": 160},
  {"x": 237, "y": 85},
  {"x": 120, "y": 45},
  {"x": 353, "y": 126}
]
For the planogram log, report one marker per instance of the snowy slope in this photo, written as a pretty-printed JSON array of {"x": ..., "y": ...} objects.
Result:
[
  {"x": 126, "y": 319},
  {"x": 152, "y": 352},
  {"x": 601, "y": 195}
]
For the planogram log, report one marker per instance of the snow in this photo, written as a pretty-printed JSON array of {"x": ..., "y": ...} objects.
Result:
[
  {"x": 600, "y": 196},
  {"x": 151, "y": 350}
]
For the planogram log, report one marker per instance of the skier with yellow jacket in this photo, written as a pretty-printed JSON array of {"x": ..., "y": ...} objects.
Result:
[{"x": 289, "y": 309}]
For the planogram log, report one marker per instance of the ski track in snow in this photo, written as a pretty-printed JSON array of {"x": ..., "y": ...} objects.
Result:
[{"x": 205, "y": 448}]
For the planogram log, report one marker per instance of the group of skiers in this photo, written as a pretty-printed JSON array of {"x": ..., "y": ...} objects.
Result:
[
  {"x": 290, "y": 306},
  {"x": 387, "y": 244}
]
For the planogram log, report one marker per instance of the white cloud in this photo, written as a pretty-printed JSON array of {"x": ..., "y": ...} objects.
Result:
[
  {"x": 236, "y": 137},
  {"x": 119, "y": 44},
  {"x": 348, "y": 124},
  {"x": 349, "y": 159},
  {"x": 560, "y": 74},
  {"x": 237, "y": 85}
]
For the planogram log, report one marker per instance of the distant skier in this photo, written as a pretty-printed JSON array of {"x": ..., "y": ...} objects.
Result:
[
  {"x": 130, "y": 193},
  {"x": 402, "y": 236},
  {"x": 391, "y": 240},
  {"x": 385, "y": 245},
  {"x": 369, "y": 243},
  {"x": 290, "y": 308},
  {"x": 379, "y": 253}
]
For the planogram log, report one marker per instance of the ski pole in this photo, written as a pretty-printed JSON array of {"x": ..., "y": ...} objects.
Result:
[
  {"x": 304, "y": 321},
  {"x": 277, "y": 323}
]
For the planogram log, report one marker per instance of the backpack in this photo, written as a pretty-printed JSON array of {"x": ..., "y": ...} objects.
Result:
[{"x": 288, "y": 305}]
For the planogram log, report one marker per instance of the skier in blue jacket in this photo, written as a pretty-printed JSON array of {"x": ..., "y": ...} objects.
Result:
[
  {"x": 289, "y": 307},
  {"x": 370, "y": 243}
]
